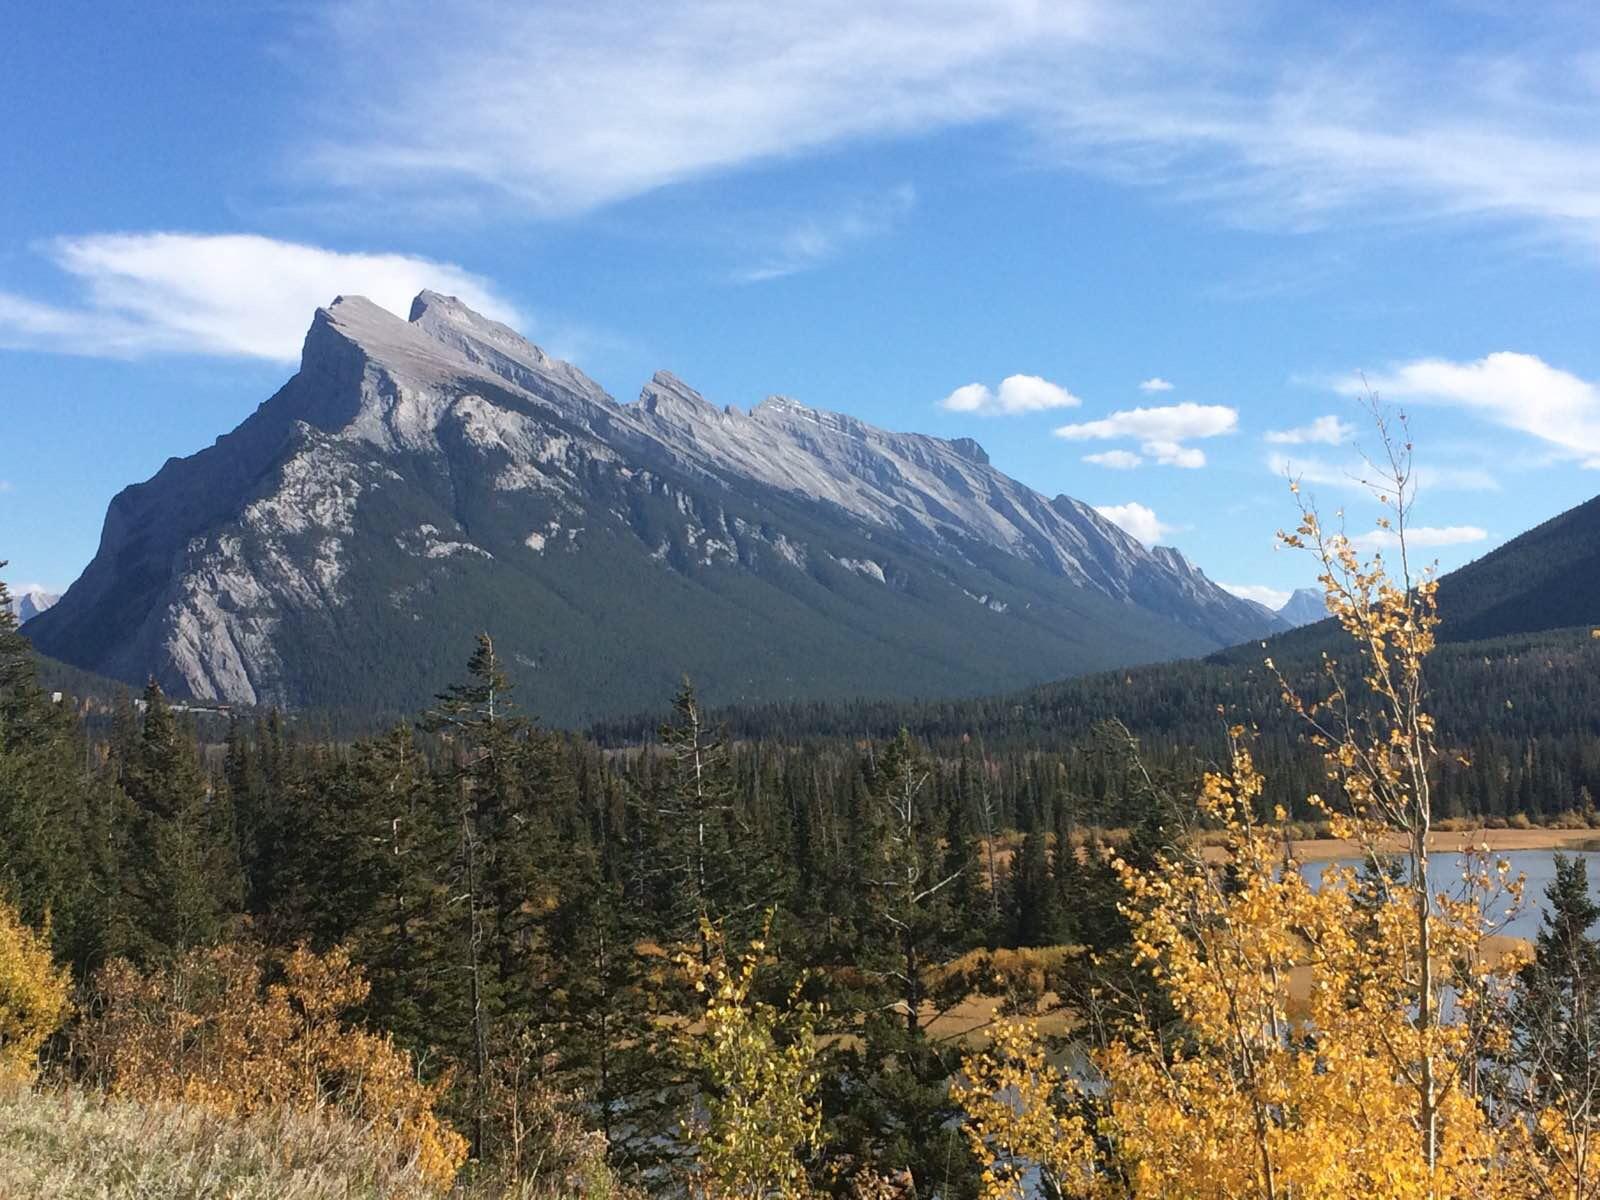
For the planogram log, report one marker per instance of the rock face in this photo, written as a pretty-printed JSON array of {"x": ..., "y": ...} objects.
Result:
[
  {"x": 29, "y": 604},
  {"x": 1306, "y": 606},
  {"x": 418, "y": 481}
]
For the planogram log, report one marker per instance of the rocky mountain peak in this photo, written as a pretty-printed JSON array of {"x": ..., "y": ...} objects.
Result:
[
  {"x": 970, "y": 450},
  {"x": 447, "y": 319},
  {"x": 672, "y": 399},
  {"x": 442, "y": 471}
]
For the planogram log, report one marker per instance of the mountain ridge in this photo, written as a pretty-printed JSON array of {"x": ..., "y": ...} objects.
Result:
[{"x": 417, "y": 480}]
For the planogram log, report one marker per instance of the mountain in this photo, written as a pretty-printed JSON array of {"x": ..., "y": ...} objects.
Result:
[
  {"x": 1305, "y": 607},
  {"x": 30, "y": 603},
  {"x": 419, "y": 480},
  {"x": 1546, "y": 578}
]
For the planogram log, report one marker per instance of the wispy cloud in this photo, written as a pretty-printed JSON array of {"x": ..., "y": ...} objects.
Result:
[
  {"x": 1136, "y": 520},
  {"x": 234, "y": 295},
  {"x": 1273, "y": 598},
  {"x": 1517, "y": 391},
  {"x": 1155, "y": 384},
  {"x": 1357, "y": 475},
  {"x": 818, "y": 238},
  {"x": 1117, "y": 460},
  {"x": 1326, "y": 431},
  {"x": 562, "y": 107},
  {"x": 1422, "y": 537},
  {"x": 1160, "y": 432},
  {"x": 1016, "y": 394}
]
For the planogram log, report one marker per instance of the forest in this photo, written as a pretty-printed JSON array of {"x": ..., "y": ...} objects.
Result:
[{"x": 953, "y": 951}]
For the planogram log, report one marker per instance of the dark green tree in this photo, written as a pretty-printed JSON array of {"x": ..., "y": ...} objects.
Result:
[{"x": 181, "y": 877}]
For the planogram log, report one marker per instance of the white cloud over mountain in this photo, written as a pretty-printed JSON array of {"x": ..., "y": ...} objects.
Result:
[
  {"x": 1136, "y": 520},
  {"x": 1273, "y": 598},
  {"x": 235, "y": 295}
]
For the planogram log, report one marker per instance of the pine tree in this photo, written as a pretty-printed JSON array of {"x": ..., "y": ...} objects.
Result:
[
  {"x": 888, "y": 1104},
  {"x": 715, "y": 867},
  {"x": 1555, "y": 1017},
  {"x": 56, "y": 850},
  {"x": 181, "y": 877}
]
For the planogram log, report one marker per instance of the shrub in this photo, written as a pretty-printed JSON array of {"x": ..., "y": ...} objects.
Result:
[
  {"x": 210, "y": 1030},
  {"x": 33, "y": 997}
]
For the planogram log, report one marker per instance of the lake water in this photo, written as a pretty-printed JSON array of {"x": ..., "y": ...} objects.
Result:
[{"x": 1538, "y": 865}]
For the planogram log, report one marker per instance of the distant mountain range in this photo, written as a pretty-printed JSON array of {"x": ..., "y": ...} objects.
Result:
[
  {"x": 1518, "y": 659},
  {"x": 1306, "y": 606},
  {"x": 26, "y": 605},
  {"x": 420, "y": 480}
]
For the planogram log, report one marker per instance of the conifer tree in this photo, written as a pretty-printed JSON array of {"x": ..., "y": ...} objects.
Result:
[
  {"x": 55, "y": 839},
  {"x": 888, "y": 1105},
  {"x": 181, "y": 878},
  {"x": 715, "y": 868}
]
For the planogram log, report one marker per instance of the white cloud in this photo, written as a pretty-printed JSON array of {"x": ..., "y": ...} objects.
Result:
[
  {"x": 1136, "y": 521},
  {"x": 235, "y": 295},
  {"x": 1155, "y": 384},
  {"x": 1354, "y": 474},
  {"x": 1273, "y": 598},
  {"x": 1117, "y": 460},
  {"x": 1016, "y": 394},
  {"x": 561, "y": 107},
  {"x": 819, "y": 238},
  {"x": 1160, "y": 432},
  {"x": 1517, "y": 391},
  {"x": 1327, "y": 431},
  {"x": 1421, "y": 537}
]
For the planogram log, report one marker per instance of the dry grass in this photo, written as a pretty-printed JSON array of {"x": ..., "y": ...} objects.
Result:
[
  {"x": 1451, "y": 840},
  {"x": 70, "y": 1145}
]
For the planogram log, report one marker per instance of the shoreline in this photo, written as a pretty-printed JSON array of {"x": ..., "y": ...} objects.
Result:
[{"x": 1496, "y": 840}]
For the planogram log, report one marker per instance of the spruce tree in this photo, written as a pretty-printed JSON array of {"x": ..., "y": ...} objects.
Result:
[
  {"x": 181, "y": 877},
  {"x": 1556, "y": 1010}
]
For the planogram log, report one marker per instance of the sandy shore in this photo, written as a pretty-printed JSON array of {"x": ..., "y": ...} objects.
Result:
[{"x": 1324, "y": 849}]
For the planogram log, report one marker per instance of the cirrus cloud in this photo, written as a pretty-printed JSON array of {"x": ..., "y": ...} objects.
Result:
[
  {"x": 1516, "y": 391},
  {"x": 1327, "y": 431},
  {"x": 1016, "y": 394},
  {"x": 231, "y": 295},
  {"x": 1421, "y": 536}
]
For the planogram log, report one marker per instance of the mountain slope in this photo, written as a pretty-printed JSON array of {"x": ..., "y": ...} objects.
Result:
[
  {"x": 1546, "y": 578},
  {"x": 418, "y": 481}
]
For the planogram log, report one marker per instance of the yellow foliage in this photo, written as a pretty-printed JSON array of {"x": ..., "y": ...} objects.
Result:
[
  {"x": 33, "y": 997},
  {"x": 1370, "y": 1084},
  {"x": 210, "y": 1030},
  {"x": 759, "y": 1068}
]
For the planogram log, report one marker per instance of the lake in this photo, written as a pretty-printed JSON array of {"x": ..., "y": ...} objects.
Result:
[{"x": 1538, "y": 865}]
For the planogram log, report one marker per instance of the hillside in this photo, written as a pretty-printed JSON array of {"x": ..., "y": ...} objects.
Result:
[{"x": 419, "y": 481}]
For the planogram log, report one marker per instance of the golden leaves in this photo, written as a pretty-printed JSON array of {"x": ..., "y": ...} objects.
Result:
[
  {"x": 33, "y": 997},
  {"x": 759, "y": 1064}
]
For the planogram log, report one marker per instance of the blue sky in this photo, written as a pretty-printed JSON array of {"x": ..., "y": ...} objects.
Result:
[{"x": 1012, "y": 221}]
